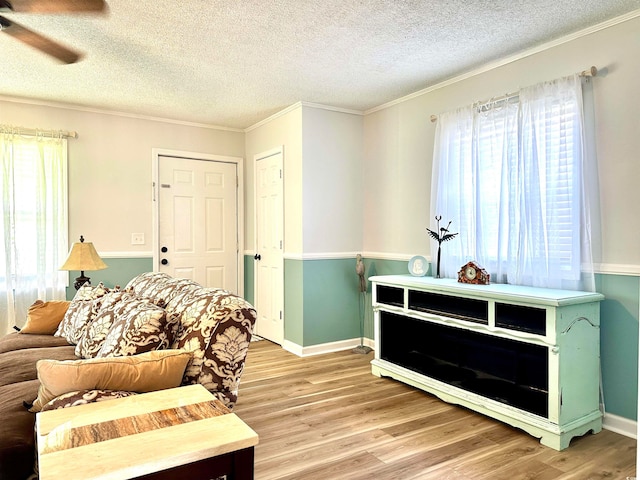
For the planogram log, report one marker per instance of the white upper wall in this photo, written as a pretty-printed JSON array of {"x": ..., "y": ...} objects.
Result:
[
  {"x": 281, "y": 131},
  {"x": 398, "y": 145},
  {"x": 322, "y": 179},
  {"x": 110, "y": 172},
  {"x": 332, "y": 182}
]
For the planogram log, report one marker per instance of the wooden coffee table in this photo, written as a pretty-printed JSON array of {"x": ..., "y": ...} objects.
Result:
[{"x": 178, "y": 433}]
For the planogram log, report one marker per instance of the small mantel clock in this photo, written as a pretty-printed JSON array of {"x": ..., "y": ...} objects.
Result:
[{"x": 473, "y": 273}]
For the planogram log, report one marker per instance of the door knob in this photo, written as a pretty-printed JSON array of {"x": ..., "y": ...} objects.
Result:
[
  {"x": 164, "y": 261},
  {"x": 164, "y": 249},
  {"x": 257, "y": 256}
]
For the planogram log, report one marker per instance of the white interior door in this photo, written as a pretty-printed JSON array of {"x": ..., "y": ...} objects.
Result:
[
  {"x": 198, "y": 221},
  {"x": 269, "y": 263}
]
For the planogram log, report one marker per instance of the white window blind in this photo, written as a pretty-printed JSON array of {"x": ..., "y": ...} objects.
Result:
[{"x": 510, "y": 177}]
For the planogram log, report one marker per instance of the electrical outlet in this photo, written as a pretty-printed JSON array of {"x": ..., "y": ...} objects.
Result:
[{"x": 137, "y": 239}]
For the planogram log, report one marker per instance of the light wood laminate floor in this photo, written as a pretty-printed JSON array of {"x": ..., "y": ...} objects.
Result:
[{"x": 327, "y": 417}]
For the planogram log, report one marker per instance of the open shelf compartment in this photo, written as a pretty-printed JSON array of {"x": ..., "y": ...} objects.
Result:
[
  {"x": 508, "y": 371},
  {"x": 468, "y": 309}
]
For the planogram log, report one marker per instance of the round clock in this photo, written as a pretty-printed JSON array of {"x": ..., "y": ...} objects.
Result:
[
  {"x": 470, "y": 272},
  {"x": 473, "y": 273}
]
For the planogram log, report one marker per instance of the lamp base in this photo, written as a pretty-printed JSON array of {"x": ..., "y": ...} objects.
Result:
[{"x": 81, "y": 280}]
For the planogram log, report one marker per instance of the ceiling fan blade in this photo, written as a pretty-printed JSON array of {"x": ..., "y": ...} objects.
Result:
[
  {"x": 38, "y": 41},
  {"x": 53, "y": 6}
]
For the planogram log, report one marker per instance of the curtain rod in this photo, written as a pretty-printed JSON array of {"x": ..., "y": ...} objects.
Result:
[
  {"x": 35, "y": 132},
  {"x": 591, "y": 72}
]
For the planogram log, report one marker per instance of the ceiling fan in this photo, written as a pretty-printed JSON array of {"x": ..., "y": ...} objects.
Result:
[{"x": 40, "y": 42}]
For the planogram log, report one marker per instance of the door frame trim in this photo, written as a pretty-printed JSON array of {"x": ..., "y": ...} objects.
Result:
[{"x": 156, "y": 153}]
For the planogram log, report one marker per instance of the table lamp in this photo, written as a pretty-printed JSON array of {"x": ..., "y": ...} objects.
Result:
[{"x": 83, "y": 256}]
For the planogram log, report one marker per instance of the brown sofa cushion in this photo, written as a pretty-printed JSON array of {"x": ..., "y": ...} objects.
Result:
[
  {"x": 17, "y": 442},
  {"x": 43, "y": 318},
  {"x": 14, "y": 341},
  {"x": 20, "y": 365}
]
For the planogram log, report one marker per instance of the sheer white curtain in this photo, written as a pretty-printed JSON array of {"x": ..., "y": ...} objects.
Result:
[
  {"x": 33, "y": 237},
  {"x": 511, "y": 178}
]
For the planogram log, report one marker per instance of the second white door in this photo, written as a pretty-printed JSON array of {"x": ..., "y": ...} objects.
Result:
[{"x": 269, "y": 262}]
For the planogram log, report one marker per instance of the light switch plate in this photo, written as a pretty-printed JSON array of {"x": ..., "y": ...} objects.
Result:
[{"x": 137, "y": 239}]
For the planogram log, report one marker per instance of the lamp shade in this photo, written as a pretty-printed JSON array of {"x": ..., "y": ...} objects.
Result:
[{"x": 83, "y": 256}]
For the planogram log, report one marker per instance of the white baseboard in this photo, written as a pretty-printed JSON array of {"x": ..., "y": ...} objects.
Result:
[
  {"x": 324, "y": 347},
  {"x": 621, "y": 425}
]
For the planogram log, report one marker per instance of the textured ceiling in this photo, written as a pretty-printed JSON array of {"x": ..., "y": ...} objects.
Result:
[{"x": 234, "y": 63}]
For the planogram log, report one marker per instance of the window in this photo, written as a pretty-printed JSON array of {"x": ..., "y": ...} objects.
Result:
[
  {"x": 33, "y": 237},
  {"x": 511, "y": 176}
]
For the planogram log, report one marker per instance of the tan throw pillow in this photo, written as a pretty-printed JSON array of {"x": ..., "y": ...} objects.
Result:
[
  {"x": 147, "y": 372},
  {"x": 43, "y": 318}
]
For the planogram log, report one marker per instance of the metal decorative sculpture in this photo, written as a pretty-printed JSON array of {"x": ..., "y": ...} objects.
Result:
[
  {"x": 362, "y": 288},
  {"x": 441, "y": 235}
]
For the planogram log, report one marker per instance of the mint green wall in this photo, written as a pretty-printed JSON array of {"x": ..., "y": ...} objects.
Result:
[
  {"x": 120, "y": 271},
  {"x": 331, "y": 299},
  {"x": 294, "y": 301},
  {"x": 249, "y": 279},
  {"x": 322, "y": 302},
  {"x": 619, "y": 342},
  {"x": 321, "y": 299},
  {"x": 386, "y": 267}
]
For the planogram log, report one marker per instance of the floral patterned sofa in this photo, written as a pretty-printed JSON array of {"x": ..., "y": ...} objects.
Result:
[{"x": 153, "y": 316}]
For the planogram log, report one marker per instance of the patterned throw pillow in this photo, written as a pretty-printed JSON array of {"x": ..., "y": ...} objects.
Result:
[
  {"x": 161, "y": 289},
  {"x": 180, "y": 290},
  {"x": 95, "y": 333},
  {"x": 81, "y": 311},
  {"x": 138, "y": 326},
  {"x": 146, "y": 284},
  {"x": 82, "y": 397}
]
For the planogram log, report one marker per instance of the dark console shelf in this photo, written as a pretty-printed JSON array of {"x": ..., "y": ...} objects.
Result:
[
  {"x": 457, "y": 307},
  {"x": 505, "y": 370},
  {"x": 524, "y": 319},
  {"x": 393, "y": 296}
]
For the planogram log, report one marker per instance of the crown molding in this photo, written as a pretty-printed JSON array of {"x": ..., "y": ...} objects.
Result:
[
  {"x": 78, "y": 108},
  {"x": 320, "y": 106},
  {"x": 510, "y": 59}
]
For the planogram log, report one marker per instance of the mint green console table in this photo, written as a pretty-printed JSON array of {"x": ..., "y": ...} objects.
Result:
[{"x": 529, "y": 357}]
